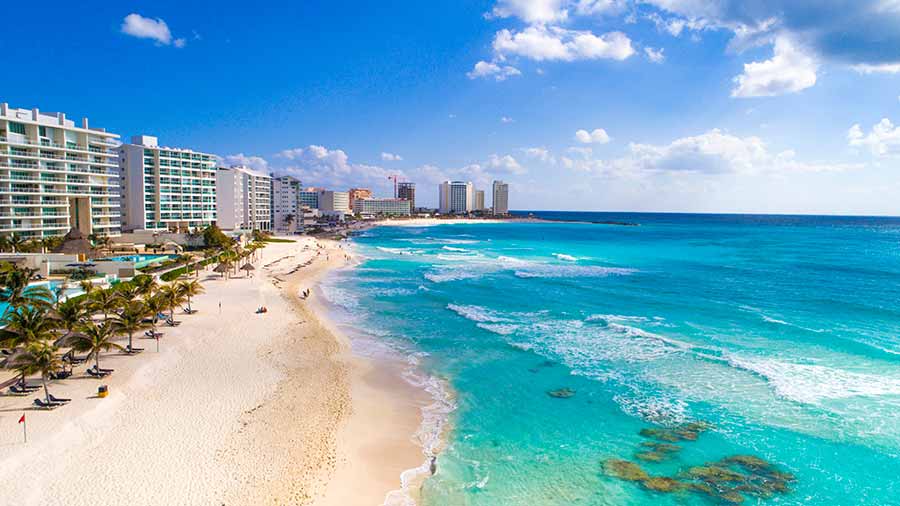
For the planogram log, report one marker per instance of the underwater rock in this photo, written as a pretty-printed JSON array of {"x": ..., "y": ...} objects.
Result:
[
  {"x": 562, "y": 393},
  {"x": 660, "y": 434},
  {"x": 661, "y": 447},
  {"x": 663, "y": 484},
  {"x": 624, "y": 470},
  {"x": 749, "y": 462},
  {"x": 686, "y": 432},
  {"x": 714, "y": 474},
  {"x": 731, "y": 498},
  {"x": 651, "y": 456}
]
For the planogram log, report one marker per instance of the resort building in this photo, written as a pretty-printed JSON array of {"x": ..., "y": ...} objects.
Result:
[
  {"x": 243, "y": 199},
  {"x": 479, "y": 200},
  {"x": 310, "y": 197},
  {"x": 500, "y": 200},
  {"x": 407, "y": 191},
  {"x": 166, "y": 188},
  {"x": 456, "y": 197},
  {"x": 382, "y": 207},
  {"x": 332, "y": 202},
  {"x": 359, "y": 193},
  {"x": 286, "y": 205},
  {"x": 55, "y": 176}
]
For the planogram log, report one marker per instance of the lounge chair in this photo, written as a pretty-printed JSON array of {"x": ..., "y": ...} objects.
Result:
[
  {"x": 133, "y": 351},
  {"x": 46, "y": 405},
  {"x": 188, "y": 310},
  {"x": 59, "y": 399},
  {"x": 18, "y": 390},
  {"x": 173, "y": 323},
  {"x": 96, "y": 374},
  {"x": 153, "y": 335},
  {"x": 58, "y": 375}
]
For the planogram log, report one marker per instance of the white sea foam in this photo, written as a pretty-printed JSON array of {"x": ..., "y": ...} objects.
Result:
[
  {"x": 812, "y": 383},
  {"x": 654, "y": 409},
  {"x": 504, "y": 329},
  {"x": 606, "y": 318},
  {"x": 477, "y": 313},
  {"x": 571, "y": 271},
  {"x": 443, "y": 274},
  {"x": 399, "y": 251},
  {"x": 339, "y": 296},
  {"x": 451, "y": 248},
  {"x": 563, "y": 256}
]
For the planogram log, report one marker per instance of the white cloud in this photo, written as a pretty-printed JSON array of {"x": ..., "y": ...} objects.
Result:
[
  {"x": 149, "y": 28},
  {"x": 391, "y": 157},
  {"x": 506, "y": 119},
  {"x": 597, "y": 136},
  {"x": 254, "y": 162},
  {"x": 882, "y": 140},
  {"x": 540, "y": 153},
  {"x": 886, "y": 68},
  {"x": 719, "y": 152},
  {"x": 320, "y": 166},
  {"x": 489, "y": 69},
  {"x": 532, "y": 11},
  {"x": 655, "y": 55},
  {"x": 505, "y": 165},
  {"x": 788, "y": 71},
  {"x": 543, "y": 43}
]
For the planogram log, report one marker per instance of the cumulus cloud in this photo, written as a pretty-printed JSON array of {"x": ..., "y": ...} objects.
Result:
[
  {"x": 148, "y": 28},
  {"x": 597, "y": 136},
  {"x": 532, "y": 11},
  {"x": 489, "y": 69},
  {"x": 254, "y": 162},
  {"x": 719, "y": 152},
  {"x": 883, "y": 139},
  {"x": 505, "y": 164},
  {"x": 861, "y": 32},
  {"x": 539, "y": 153},
  {"x": 655, "y": 55},
  {"x": 391, "y": 157},
  {"x": 321, "y": 166},
  {"x": 788, "y": 71},
  {"x": 542, "y": 43},
  {"x": 506, "y": 119}
]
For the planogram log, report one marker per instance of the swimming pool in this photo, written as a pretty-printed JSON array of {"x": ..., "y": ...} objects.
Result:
[{"x": 138, "y": 260}]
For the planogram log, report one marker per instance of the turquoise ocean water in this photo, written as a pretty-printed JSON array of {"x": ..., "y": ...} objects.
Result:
[{"x": 781, "y": 335}]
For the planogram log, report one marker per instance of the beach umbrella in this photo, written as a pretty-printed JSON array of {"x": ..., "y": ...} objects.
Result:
[
  {"x": 247, "y": 267},
  {"x": 75, "y": 242}
]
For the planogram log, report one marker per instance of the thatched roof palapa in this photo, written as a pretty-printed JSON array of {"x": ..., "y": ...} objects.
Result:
[{"x": 75, "y": 243}]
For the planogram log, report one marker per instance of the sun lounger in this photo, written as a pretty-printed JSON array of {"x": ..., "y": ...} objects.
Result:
[
  {"x": 58, "y": 375},
  {"x": 47, "y": 405},
  {"x": 133, "y": 351},
  {"x": 18, "y": 390},
  {"x": 188, "y": 310},
  {"x": 153, "y": 335},
  {"x": 101, "y": 374},
  {"x": 59, "y": 400},
  {"x": 173, "y": 323}
]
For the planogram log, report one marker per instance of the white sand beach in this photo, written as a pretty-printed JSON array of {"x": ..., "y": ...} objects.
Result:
[{"x": 235, "y": 408}]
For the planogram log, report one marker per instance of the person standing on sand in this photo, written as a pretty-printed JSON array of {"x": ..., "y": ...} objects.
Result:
[{"x": 220, "y": 307}]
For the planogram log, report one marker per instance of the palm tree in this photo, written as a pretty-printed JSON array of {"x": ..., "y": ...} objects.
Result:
[
  {"x": 105, "y": 301},
  {"x": 127, "y": 292},
  {"x": 26, "y": 325},
  {"x": 154, "y": 306},
  {"x": 87, "y": 287},
  {"x": 15, "y": 242},
  {"x": 36, "y": 357},
  {"x": 130, "y": 319},
  {"x": 189, "y": 289},
  {"x": 17, "y": 293},
  {"x": 146, "y": 284},
  {"x": 93, "y": 339},
  {"x": 172, "y": 296},
  {"x": 72, "y": 314}
]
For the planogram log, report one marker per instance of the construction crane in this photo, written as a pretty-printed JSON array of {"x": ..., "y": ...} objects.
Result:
[{"x": 394, "y": 178}]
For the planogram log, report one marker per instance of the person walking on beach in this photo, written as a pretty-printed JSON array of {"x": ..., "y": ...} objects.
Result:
[{"x": 220, "y": 307}]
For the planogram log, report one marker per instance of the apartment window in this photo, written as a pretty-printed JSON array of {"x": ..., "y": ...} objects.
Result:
[
  {"x": 42, "y": 131},
  {"x": 17, "y": 128}
]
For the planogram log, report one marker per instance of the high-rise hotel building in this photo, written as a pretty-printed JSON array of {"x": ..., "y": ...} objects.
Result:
[
  {"x": 500, "y": 198},
  {"x": 407, "y": 191},
  {"x": 286, "y": 205},
  {"x": 243, "y": 199},
  {"x": 55, "y": 176},
  {"x": 456, "y": 197},
  {"x": 166, "y": 188}
]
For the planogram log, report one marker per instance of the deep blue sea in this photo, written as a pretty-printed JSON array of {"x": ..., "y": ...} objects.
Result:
[{"x": 589, "y": 360}]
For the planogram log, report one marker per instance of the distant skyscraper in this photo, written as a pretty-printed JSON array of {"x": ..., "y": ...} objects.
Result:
[
  {"x": 243, "y": 199},
  {"x": 334, "y": 202},
  {"x": 501, "y": 198},
  {"x": 457, "y": 197},
  {"x": 309, "y": 197},
  {"x": 407, "y": 191},
  {"x": 479, "y": 200}
]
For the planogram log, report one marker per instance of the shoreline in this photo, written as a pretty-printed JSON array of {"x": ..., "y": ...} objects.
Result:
[{"x": 237, "y": 408}]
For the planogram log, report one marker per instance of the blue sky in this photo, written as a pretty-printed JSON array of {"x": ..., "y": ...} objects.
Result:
[{"x": 619, "y": 105}]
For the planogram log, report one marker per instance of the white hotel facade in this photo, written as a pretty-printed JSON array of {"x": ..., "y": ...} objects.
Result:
[
  {"x": 243, "y": 199},
  {"x": 55, "y": 176},
  {"x": 165, "y": 188}
]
